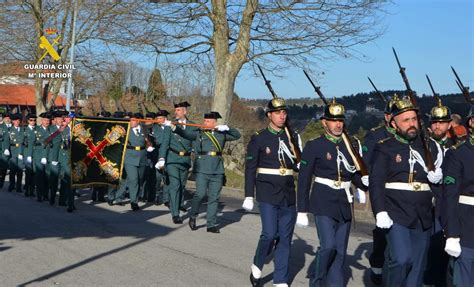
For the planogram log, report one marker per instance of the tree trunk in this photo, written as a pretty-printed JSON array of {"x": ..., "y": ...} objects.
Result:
[{"x": 225, "y": 76}]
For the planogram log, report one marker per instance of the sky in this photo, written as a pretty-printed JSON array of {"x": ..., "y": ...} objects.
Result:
[{"x": 429, "y": 37}]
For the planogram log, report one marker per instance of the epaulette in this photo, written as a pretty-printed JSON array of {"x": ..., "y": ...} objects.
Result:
[
  {"x": 376, "y": 128},
  {"x": 457, "y": 145},
  {"x": 260, "y": 131},
  {"x": 384, "y": 140}
]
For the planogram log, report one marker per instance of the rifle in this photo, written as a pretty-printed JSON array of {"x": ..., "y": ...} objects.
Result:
[
  {"x": 358, "y": 161},
  {"x": 464, "y": 89},
  {"x": 411, "y": 94},
  {"x": 384, "y": 99},
  {"x": 294, "y": 145},
  {"x": 451, "y": 132}
]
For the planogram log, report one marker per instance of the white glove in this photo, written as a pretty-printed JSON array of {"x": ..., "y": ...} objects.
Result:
[
  {"x": 435, "y": 176},
  {"x": 222, "y": 128},
  {"x": 248, "y": 204},
  {"x": 55, "y": 163},
  {"x": 453, "y": 247},
  {"x": 6, "y": 152},
  {"x": 302, "y": 220},
  {"x": 43, "y": 160},
  {"x": 150, "y": 149},
  {"x": 28, "y": 159},
  {"x": 167, "y": 123},
  {"x": 365, "y": 180},
  {"x": 382, "y": 220},
  {"x": 20, "y": 157},
  {"x": 360, "y": 196},
  {"x": 160, "y": 164}
]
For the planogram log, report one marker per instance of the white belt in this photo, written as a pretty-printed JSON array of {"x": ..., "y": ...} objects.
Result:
[
  {"x": 334, "y": 184},
  {"x": 414, "y": 186},
  {"x": 464, "y": 199},
  {"x": 275, "y": 171}
]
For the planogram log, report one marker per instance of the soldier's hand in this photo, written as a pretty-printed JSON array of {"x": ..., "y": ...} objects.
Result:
[
  {"x": 365, "y": 180},
  {"x": 248, "y": 204},
  {"x": 54, "y": 163},
  {"x": 360, "y": 196},
  {"x": 6, "y": 152},
  {"x": 150, "y": 149},
  {"x": 20, "y": 157},
  {"x": 453, "y": 247},
  {"x": 160, "y": 164},
  {"x": 28, "y": 159},
  {"x": 43, "y": 160},
  {"x": 222, "y": 128},
  {"x": 382, "y": 220},
  {"x": 435, "y": 176},
  {"x": 302, "y": 220}
]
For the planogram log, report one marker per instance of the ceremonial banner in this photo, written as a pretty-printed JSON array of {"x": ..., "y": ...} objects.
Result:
[{"x": 97, "y": 150}]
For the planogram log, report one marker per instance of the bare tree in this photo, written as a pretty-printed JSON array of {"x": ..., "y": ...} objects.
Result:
[{"x": 232, "y": 34}]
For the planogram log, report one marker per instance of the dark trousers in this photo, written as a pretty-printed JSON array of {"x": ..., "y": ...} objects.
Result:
[
  {"x": 16, "y": 174},
  {"x": 379, "y": 244},
  {"x": 407, "y": 249},
  {"x": 333, "y": 238},
  {"x": 29, "y": 179},
  {"x": 464, "y": 268},
  {"x": 277, "y": 220},
  {"x": 135, "y": 178},
  {"x": 53, "y": 181},
  {"x": 437, "y": 269},
  {"x": 41, "y": 180}
]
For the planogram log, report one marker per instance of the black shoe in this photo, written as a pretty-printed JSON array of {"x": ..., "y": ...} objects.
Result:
[
  {"x": 192, "y": 223},
  {"x": 254, "y": 281},
  {"x": 376, "y": 278},
  {"x": 157, "y": 202},
  {"x": 167, "y": 204},
  {"x": 70, "y": 209},
  {"x": 177, "y": 220},
  {"x": 213, "y": 229},
  {"x": 110, "y": 202},
  {"x": 183, "y": 209},
  {"x": 135, "y": 206}
]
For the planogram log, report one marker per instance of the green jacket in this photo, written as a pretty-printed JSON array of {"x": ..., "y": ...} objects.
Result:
[
  {"x": 208, "y": 142},
  {"x": 29, "y": 141},
  {"x": 40, "y": 150},
  {"x": 16, "y": 138},
  {"x": 64, "y": 147},
  {"x": 136, "y": 157},
  {"x": 4, "y": 139},
  {"x": 55, "y": 143},
  {"x": 173, "y": 144}
]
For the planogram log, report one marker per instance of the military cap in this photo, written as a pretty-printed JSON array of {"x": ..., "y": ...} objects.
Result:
[
  {"x": 213, "y": 115},
  {"x": 334, "y": 111},
  {"x": 104, "y": 114},
  {"x": 137, "y": 115},
  {"x": 162, "y": 113},
  {"x": 31, "y": 116},
  {"x": 182, "y": 105},
  {"x": 118, "y": 114},
  {"x": 276, "y": 104},
  {"x": 150, "y": 115},
  {"x": 440, "y": 113},
  {"x": 16, "y": 116},
  {"x": 402, "y": 105},
  {"x": 60, "y": 113},
  {"x": 46, "y": 115}
]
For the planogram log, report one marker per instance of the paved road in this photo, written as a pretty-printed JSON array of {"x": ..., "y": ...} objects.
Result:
[{"x": 100, "y": 245}]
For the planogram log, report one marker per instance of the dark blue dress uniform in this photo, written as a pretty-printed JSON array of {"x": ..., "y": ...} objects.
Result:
[
  {"x": 327, "y": 159},
  {"x": 379, "y": 244},
  {"x": 269, "y": 174},
  {"x": 407, "y": 199},
  {"x": 458, "y": 208}
]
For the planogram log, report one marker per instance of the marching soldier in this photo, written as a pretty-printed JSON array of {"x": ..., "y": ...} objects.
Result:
[
  {"x": 175, "y": 153},
  {"x": 5, "y": 147},
  {"x": 40, "y": 157},
  {"x": 148, "y": 193},
  {"x": 159, "y": 132},
  {"x": 269, "y": 170},
  {"x": 29, "y": 142},
  {"x": 437, "y": 260},
  {"x": 401, "y": 196},
  {"x": 55, "y": 130},
  {"x": 328, "y": 159},
  {"x": 458, "y": 207},
  {"x": 208, "y": 166},
  {"x": 64, "y": 159},
  {"x": 134, "y": 162},
  {"x": 379, "y": 243},
  {"x": 16, "y": 139}
]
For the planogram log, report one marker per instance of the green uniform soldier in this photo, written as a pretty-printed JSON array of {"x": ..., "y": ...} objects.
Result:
[
  {"x": 158, "y": 134},
  {"x": 4, "y": 145},
  {"x": 16, "y": 136},
  {"x": 148, "y": 192},
  {"x": 64, "y": 159},
  {"x": 208, "y": 166},
  {"x": 54, "y": 167},
  {"x": 28, "y": 145},
  {"x": 134, "y": 162},
  {"x": 175, "y": 152},
  {"x": 40, "y": 157}
]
